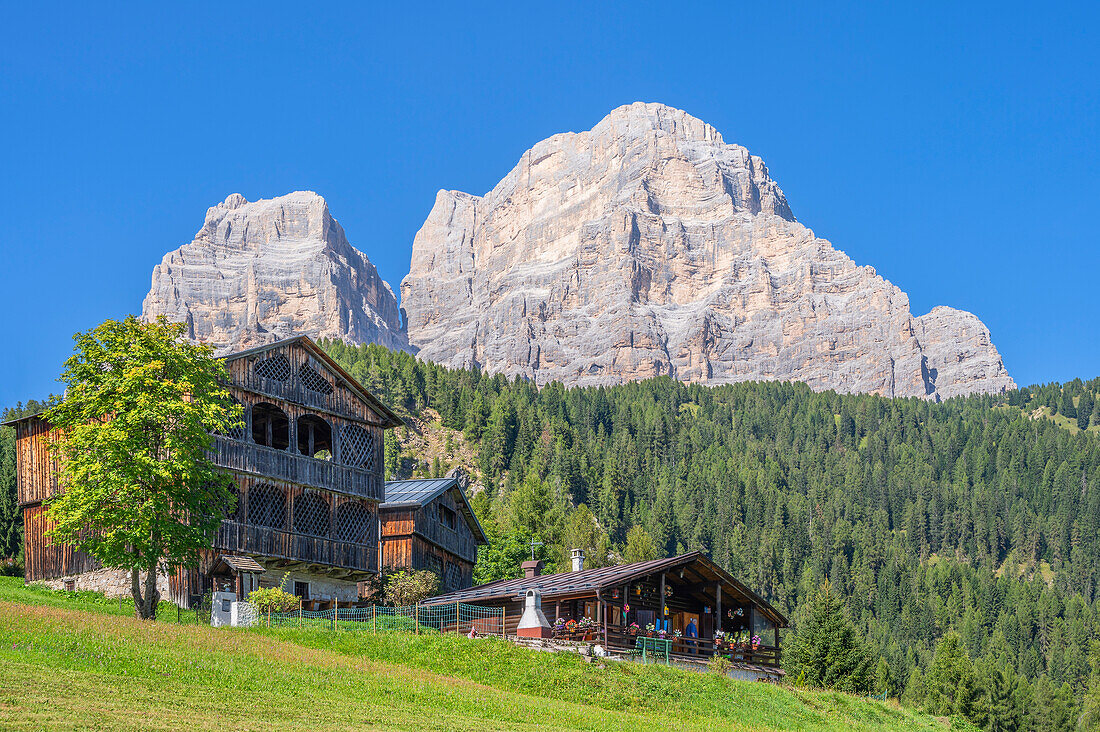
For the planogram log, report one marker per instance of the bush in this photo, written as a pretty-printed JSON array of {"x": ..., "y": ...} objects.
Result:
[
  {"x": 409, "y": 587},
  {"x": 273, "y": 600},
  {"x": 719, "y": 665},
  {"x": 11, "y": 567}
]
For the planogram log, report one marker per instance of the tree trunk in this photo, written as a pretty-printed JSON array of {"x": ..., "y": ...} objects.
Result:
[
  {"x": 145, "y": 603},
  {"x": 152, "y": 597},
  {"x": 135, "y": 590}
]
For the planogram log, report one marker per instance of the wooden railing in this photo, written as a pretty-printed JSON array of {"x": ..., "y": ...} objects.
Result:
[
  {"x": 249, "y": 457},
  {"x": 234, "y": 536},
  {"x": 698, "y": 649}
]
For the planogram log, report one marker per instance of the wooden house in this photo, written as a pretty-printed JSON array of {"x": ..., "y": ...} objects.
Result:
[
  {"x": 307, "y": 468},
  {"x": 428, "y": 524},
  {"x": 677, "y": 591}
]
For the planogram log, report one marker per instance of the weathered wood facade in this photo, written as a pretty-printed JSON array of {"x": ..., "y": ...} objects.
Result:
[
  {"x": 678, "y": 590},
  {"x": 307, "y": 466},
  {"x": 428, "y": 524}
]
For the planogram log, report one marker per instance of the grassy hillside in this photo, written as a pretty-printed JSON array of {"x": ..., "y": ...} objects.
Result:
[{"x": 72, "y": 662}]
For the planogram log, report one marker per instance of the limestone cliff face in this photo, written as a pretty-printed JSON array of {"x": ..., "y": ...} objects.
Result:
[
  {"x": 648, "y": 246},
  {"x": 258, "y": 272}
]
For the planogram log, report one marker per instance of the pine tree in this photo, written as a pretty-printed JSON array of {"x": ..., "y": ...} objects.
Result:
[
  {"x": 1004, "y": 714},
  {"x": 949, "y": 674},
  {"x": 1066, "y": 405},
  {"x": 826, "y": 650},
  {"x": 11, "y": 518},
  {"x": 1085, "y": 407}
]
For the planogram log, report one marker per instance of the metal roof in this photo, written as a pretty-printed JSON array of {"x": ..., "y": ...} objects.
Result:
[
  {"x": 421, "y": 492},
  {"x": 593, "y": 580},
  {"x": 401, "y": 493}
]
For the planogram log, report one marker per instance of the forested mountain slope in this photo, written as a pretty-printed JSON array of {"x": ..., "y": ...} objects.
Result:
[{"x": 975, "y": 515}]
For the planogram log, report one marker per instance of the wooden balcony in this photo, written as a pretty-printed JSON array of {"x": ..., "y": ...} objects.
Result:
[
  {"x": 248, "y": 457},
  {"x": 268, "y": 542}
]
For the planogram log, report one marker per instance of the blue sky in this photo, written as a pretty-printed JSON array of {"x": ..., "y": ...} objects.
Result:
[{"x": 952, "y": 146}]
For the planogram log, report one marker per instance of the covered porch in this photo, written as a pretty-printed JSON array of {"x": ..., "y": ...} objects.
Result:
[
  {"x": 690, "y": 610},
  {"x": 684, "y": 608}
]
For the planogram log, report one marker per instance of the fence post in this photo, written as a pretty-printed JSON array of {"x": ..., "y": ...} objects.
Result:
[
  {"x": 504, "y": 622},
  {"x": 374, "y": 618},
  {"x": 457, "y": 630},
  {"x": 335, "y": 613},
  {"x": 417, "y": 611},
  {"x": 299, "y": 612}
]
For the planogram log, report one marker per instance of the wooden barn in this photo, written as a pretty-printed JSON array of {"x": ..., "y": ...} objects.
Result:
[
  {"x": 428, "y": 524},
  {"x": 307, "y": 465},
  {"x": 676, "y": 591}
]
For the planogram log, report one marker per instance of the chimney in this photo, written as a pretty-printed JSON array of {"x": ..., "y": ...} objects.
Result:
[
  {"x": 532, "y": 568},
  {"x": 578, "y": 560}
]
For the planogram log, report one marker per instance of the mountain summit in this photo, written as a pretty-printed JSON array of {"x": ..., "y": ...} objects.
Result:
[
  {"x": 648, "y": 246},
  {"x": 275, "y": 268}
]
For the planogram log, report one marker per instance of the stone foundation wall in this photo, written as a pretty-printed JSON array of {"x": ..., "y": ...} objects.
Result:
[
  {"x": 111, "y": 582},
  {"x": 320, "y": 587}
]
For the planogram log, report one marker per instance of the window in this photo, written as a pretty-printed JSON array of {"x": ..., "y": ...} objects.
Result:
[
  {"x": 447, "y": 517},
  {"x": 357, "y": 446},
  {"x": 354, "y": 522},
  {"x": 313, "y": 381},
  {"x": 270, "y": 426},
  {"x": 267, "y": 506},
  {"x": 276, "y": 368},
  {"x": 314, "y": 437},
  {"x": 70, "y": 585},
  {"x": 311, "y": 514},
  {"x": 301, "y": 589}
]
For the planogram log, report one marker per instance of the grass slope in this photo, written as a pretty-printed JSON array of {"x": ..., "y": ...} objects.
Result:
[{"x": 75, "y": 663}]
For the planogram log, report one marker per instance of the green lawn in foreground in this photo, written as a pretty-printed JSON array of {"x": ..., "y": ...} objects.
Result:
[{"x": 70, "y": 662}]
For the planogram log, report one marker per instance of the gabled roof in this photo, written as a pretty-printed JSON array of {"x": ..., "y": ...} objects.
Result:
[
  {"x": 418, "y": 493},
  {"x": 235, "y": 563},
  {"x": 388, "y": 417},
  {"x": 604, "y": 578}
]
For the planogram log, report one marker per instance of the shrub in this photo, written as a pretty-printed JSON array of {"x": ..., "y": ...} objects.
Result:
[
  {"x": 409, "y": 587},
  {"x": 719, "y": 665},
  {"x": 273, "y": 600}
]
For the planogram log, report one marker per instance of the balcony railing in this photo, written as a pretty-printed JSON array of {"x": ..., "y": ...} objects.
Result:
[
  {"x": 265, "y": 541},
  {"x": 249, "y": 457}
]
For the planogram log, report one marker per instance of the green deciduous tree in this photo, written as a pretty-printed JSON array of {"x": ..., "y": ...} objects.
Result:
[
  {"x": 135, "y": 427},
  {"x": 826, "y": 650}
]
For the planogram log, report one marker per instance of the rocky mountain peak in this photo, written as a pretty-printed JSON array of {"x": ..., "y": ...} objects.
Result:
[
  {"x": 649, "y": 246},
  {"x": 257, "y": 272}
]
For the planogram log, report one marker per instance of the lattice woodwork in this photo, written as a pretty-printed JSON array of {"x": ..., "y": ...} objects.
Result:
[
  {"x": 267, "y": 506},
  {"x": 357, "y": 446},
  {"x": 311, "y": 514},
  {"x": 354, "y": 522},
  {"x": 276, "y": 367},
  {"x": 313, "y": 381},
  {"x": 452, "y": 577}
]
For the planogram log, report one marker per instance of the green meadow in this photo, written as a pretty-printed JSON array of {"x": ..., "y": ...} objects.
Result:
[{"x": 78, "y": 661}]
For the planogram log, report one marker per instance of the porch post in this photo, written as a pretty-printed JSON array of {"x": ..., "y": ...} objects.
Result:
[
  {"x": 248, "y": 423},
  {"x": 718, "y": 607},
  {"x": 662, "y": 602}
]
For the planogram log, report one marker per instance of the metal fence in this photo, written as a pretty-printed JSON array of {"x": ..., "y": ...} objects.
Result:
[{"x": 453, "y": 618}]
